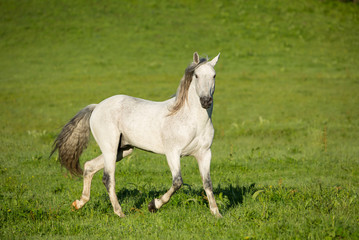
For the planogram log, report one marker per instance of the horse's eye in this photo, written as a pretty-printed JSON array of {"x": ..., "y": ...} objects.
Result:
[
  {"x": 214, "y": 76},
  {"x": 196, "y": 75}
]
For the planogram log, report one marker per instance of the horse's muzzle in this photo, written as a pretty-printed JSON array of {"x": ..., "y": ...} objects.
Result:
[{"x": 206, "y": 102}]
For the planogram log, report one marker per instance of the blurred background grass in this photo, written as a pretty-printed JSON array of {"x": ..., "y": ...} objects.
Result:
[{"x": 286, "y": 111}]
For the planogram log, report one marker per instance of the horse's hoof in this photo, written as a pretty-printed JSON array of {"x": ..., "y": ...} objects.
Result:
[
  {"x": 121, "y": 215},
  {"x": 218, "y": 215},
  {"x": 74, "y": 206},
  {"x": 152, "y": 207}
]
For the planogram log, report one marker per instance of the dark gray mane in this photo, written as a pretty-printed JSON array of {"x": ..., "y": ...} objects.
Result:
[{"x": 182, "y": 91}]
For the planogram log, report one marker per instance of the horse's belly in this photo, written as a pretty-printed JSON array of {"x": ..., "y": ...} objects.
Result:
[
  {"x": 143, "y": 141},
  {"x": 143, "y": 132}
]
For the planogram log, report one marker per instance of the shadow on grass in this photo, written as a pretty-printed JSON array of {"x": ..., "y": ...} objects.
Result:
[
  {"x": 234, "y": 194},
  {"x": 229, "y": 195}
]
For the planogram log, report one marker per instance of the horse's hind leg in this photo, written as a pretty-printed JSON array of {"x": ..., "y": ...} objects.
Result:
[
  {"x": 90, "y": 168},
  {"x": 175, "y": 167},
  {"x": 108, "y": 139},
  {"x": 108, "y": 180}
]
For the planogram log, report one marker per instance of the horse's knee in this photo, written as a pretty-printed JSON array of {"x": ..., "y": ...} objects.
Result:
[{"x": 177, "y": 182}]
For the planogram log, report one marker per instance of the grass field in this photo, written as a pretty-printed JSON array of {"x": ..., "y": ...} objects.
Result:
[{"x": 285, "y": 154}]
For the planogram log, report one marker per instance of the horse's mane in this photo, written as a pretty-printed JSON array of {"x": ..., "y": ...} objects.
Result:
[{"x": 182, "y": 91}]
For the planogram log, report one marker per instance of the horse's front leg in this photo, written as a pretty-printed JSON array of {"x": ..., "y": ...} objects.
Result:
[
  {"x": 173, "y": 160},
  {"x": 204, "y": 162}
]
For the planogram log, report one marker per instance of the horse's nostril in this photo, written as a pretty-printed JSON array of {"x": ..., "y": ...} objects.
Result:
[{"x": 206, "y": 102}]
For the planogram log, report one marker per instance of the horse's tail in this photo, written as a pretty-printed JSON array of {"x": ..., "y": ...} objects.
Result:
[{"x": 73, "y": 139}]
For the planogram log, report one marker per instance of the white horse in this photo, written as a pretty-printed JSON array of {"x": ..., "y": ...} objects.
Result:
[{"x": 180, "y": 126}]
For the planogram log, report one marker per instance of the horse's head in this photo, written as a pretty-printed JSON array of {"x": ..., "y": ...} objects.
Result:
[{"x": 204, "y": 77}]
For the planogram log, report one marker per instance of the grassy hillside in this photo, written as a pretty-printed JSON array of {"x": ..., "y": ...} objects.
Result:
[{"x": 285, "y": 154}]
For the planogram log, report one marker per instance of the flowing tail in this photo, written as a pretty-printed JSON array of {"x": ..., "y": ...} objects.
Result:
[{"x": 73, "y": 139}]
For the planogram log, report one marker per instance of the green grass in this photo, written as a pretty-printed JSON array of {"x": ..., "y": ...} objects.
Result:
[{"x": 285, "y": 155}]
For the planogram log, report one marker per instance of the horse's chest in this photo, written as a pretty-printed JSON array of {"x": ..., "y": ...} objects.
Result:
[{"x": 202, "y": 139}]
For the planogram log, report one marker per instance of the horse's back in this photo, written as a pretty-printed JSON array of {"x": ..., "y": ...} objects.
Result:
[{"x": 139, "y": 121}]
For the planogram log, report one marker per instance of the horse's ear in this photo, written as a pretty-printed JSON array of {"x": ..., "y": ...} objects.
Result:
[
  {"x": 213, "y": 62},
  {"x": 195, "y": 58}
]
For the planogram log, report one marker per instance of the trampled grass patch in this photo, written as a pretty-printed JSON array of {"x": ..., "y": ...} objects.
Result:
[{"x": 285, "y": 155}]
